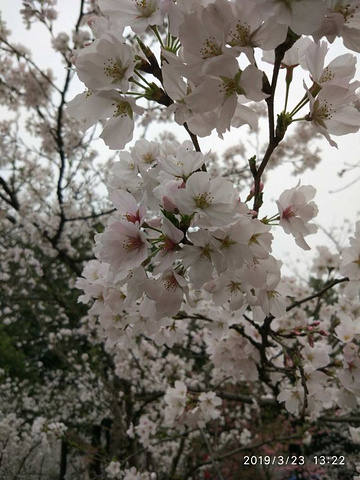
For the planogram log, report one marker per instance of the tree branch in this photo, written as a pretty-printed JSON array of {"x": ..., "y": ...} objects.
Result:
[{"x": 317, "y": 294}]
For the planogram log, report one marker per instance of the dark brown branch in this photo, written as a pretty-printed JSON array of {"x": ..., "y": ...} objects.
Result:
[
  {"x": 317, "y": 294},
  {"x": 91, "y": 217},
  {"x": 340, "y": 419},
  {"x": 238, "y": 397},
  {"x": 31, "y": 62},
  {"x": 12, "y": 200},
  {"x": 275, "y": 137},
  {"x": 60, "y": 141},
  {"x": 193, "y": 138},
  {"x": 177, "y": 457}
]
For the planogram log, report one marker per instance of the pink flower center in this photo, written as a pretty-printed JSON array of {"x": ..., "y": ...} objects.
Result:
[
  {"x": 130, "y": 217},
  {"x": 133, "y": 243},
  {"x": 234, "y": 287},
  {"x": 171, "y": 283},
  {"x": 168, "y": 245},
  {"x": 289, "y": 212}
]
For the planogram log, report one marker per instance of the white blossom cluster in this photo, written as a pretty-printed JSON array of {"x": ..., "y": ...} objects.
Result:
[
  {"x": 184, "y": 244},
  {"x": 201, "y": 79}
]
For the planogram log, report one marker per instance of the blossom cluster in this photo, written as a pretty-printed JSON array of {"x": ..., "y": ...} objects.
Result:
[
  {"x": 184, "y": 409},
  {"x": 176, "y": 231},
  {"x": 114, "y": 471},
  {"x": 351, "y": 263},
  {"x": 185, "y": 244},
  {"x": 202, "y": 77}
]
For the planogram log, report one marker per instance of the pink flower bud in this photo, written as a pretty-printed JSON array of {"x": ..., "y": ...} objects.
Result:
[
  {"x": 252, "y": 191},
  {"x": 168, "y": 204},
  {"x": 288, "y": 362},
  {"x": 91, "y": 20},
  {"x": 74, "y": 56}
]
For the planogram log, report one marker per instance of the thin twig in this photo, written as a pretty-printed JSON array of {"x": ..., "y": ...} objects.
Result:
[
  {"x": 317, "y": 294},
  {"x": 211, "y": 453}
]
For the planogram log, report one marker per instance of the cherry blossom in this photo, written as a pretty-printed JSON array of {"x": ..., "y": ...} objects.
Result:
[
  {"x": 331, "y": 112},
  {"x": 351, "y": 257},
  {"x": 124, "y": 246},
  {"x": 296, "y": 211},
  {"x": 208, "y": 404},
  {"x": 293, "y": 397},
  {"x": 223, "y": 83},
  {"x": 346, "y": 329},
  {"x": 183, "y": 408},
  {"x": 338, "y": 72},
  {"x": 106, "y": 64},
  {"x": 295, "y": 14},
  {"x": 176, "y": 87},
  {"x": 248, "y": 28},
  {"x": 124, "y": 175},
  {"x": 102, "y": 25},
  {"x": 341, "y": 20},
  {"x": 168, "y": 292},
  {"x": 183, "y": 164},
  {"x": 203, "y": 33},
  {"x": 227, "y": 288},
  {"x": 113, "y": 470},
  {"x": 201, "y": 257},
  {"x": 175, "y": 399},
  {"x": 137, "y": 14},
  {"x": 234, "y": 242},
  {"x": 128, "y": 207},
  {"x": 168, "y": 246},
  {"x": 145, "y": 154},
  {"x": 213, "y": 201},
  {"x": 117, "y": 109}
]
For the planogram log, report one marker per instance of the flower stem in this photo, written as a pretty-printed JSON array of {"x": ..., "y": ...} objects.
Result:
[{"x": 155, "y": 30}]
